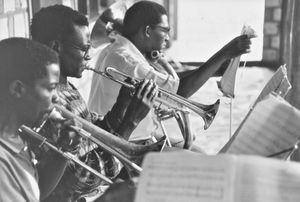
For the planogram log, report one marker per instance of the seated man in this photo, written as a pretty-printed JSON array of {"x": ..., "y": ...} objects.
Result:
[
  {"x": 146, "y": 31},
  {"x": 29, "y": 73},
  {"x": 66, "y": 31}
]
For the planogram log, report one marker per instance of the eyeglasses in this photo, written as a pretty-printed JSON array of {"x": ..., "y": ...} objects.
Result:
[
  {"x": 163, "y": 29},
  {"x": 85, "y": 49}
]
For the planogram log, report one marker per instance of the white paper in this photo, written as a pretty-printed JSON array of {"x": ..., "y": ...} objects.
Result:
[
  {"x": 272, "y": 126},
  {"x": 227, "y": 82},
  {"x": 182, "y": 176},
  {"x": 190, "y": 177},
  {"x": 279, "y": 84}
]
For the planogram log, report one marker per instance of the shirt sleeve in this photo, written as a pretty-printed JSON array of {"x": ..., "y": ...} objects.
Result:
[{"x": 141, "y": 69}]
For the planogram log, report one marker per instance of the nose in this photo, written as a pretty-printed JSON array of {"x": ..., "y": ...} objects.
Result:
[
  {"x": 54, "y": 97},
  {"x": 87, "y": 56},
  {"x": 167, "y": 37}
]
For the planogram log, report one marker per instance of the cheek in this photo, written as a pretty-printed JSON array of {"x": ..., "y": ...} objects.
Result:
[{"x": 43, "y": 101}]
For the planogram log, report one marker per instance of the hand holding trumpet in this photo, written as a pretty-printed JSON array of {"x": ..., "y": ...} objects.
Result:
[{"x": 132, "y": 106}]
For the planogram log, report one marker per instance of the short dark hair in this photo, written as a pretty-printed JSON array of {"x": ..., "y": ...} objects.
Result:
[
  {"x": 55, "y": 23},
  {"x": 141, "y": 14},
  {"x": 25, "y": 60}
]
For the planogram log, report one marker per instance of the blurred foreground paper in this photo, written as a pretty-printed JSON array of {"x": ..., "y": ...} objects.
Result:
[
  {"x": 272, "y": 127},
  {"x": 227, "y": 82},
  {"x": 192, "y": 177}
]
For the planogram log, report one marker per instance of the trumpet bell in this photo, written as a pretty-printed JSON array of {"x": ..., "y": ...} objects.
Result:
[{"x": 208, "y": 112}]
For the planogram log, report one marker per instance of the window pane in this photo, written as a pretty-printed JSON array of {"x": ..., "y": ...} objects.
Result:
[{"x": 205, "y": 26}]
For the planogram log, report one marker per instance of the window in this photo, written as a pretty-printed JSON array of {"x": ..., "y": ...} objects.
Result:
[{"x": 204, "y": 26}]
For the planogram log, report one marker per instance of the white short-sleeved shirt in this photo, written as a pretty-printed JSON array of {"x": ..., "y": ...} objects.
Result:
[{"x": 125, "y": 57}]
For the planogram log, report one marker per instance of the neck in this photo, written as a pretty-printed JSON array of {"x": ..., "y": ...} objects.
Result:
[
  {"x": 139, "y": 44},
  {"x": 63, "y": 79},
  {"x": 9, "y": 123}
]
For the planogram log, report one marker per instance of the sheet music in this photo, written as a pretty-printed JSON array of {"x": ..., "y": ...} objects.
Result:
[
  {"x": 272, "y": 126},
  {"x": 190, "y": 177},
  {"x": 227, "y": 82},
  {"x": 279, "y": 83},
  {"x": 266, "y": 179},
  {"x": 185, "y": 176}
]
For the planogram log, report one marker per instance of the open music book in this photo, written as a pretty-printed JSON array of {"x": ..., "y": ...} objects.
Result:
[
  {"x": 227, "y": 82},
  {"x": 192, "y": 177},
  {"x": 271, "y": 128},
  {"x": 278, "y": 84}
]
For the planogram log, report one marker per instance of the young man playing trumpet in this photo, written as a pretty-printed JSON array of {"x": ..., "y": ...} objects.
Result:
[
  {"x": 146, "y": 31},
  {"x": 66, "y": 31},
  {"x": 29, "y": 74}
]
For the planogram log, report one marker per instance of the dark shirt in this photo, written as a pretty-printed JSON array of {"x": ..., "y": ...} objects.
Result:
[{"x": 76, "y": 181}]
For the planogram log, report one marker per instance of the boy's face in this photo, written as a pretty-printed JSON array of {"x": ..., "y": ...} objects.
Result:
[{"x": 39, "y": 99}]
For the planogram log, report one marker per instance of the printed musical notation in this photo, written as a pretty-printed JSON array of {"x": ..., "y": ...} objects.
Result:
[
  {"x": 271, "y": 127},
  {"x": 227, "y": 82},
  {"x": 191, "y": 177},
  {"x": 278, "y": 84},
  {"x": 175, "y": 177}
]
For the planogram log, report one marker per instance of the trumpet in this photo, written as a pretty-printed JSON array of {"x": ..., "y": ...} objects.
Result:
[{"x": 170, "y": 100}]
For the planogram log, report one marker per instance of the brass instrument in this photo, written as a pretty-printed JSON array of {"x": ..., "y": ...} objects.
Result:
[
  {"x": 125, "y": 151},
  {"x": 120, "y": 148},
  {"x": 26, "y": 130},
  {"x": 171, "y": 100}
]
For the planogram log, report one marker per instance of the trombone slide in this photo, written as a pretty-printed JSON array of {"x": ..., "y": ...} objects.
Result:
[{"x": 67, "y": 155}]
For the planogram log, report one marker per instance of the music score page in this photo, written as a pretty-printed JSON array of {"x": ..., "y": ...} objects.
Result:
[
  {"x": 188, "y": 177},
  {"x": 271, "y": 127}
]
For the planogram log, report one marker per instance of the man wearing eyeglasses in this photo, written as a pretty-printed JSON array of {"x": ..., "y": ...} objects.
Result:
[
  {"x": 66, "y": 31},
  {"x": 145, "y": 33}
]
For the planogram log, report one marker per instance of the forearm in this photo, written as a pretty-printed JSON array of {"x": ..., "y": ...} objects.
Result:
[
  {"x": 194, "y": 80},
  {"x": 50, "y": 172},
  {"x": 126, "y": 128},
  {"x": 121, "y": 128}
]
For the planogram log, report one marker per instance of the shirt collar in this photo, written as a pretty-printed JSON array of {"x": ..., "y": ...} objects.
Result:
[
  {"x": 13, "y": 142},
  {"x": 126, "y": 44}
]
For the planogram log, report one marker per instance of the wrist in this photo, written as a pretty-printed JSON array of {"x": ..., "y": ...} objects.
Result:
[{"x": 126, "y": 128}]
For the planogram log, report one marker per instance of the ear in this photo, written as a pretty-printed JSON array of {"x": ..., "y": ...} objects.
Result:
[
  {"x": 147, "y": 31},
  {"x": 17, "y": 89},
  {"x": 55, "y": 45}
]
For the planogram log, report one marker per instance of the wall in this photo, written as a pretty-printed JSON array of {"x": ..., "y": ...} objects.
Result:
[{"x": 272, "y": 31}]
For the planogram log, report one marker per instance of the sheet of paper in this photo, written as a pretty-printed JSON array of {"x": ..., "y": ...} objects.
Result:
[
  {"x": 189, "y": 177},
  {"x": 266, "y": 179},
  {"x": 182, "y": 176},
  {"x": 278, "y": 83},
  {"x": 227, "y": 82},
  {"x": 272, "y": 126}
]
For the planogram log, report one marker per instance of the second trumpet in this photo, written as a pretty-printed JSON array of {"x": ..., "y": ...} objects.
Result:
[{"x": 170, "y": 100}]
